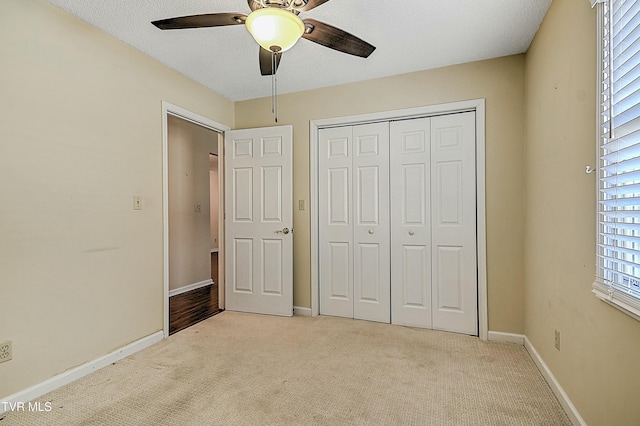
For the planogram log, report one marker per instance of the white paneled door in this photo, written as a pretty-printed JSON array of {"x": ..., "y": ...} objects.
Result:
[
  {"x": 354, "y": 217},
  {"x": 259, "y": 234}
]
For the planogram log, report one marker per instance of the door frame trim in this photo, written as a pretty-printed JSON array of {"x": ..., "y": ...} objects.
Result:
[
  {"x": 176, "y": 111},
  {"x": 476, "y": 105}
]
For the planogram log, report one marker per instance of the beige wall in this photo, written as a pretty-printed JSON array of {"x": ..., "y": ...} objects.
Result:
[
  {"x": 501, "y": 83},
  {"x": 80, "y": 134},
  {"x": 600, "y": 346},
  {"x": 189, "y": 146}
]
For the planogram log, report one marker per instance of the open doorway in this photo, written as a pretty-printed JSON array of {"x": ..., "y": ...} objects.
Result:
[{"x": 193, "y": 205}]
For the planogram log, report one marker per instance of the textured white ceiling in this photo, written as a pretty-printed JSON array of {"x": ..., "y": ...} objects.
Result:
[{"x": 409, "y": 36}]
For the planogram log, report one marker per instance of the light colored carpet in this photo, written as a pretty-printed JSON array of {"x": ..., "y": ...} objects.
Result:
[{"x": 243, "y": 369}]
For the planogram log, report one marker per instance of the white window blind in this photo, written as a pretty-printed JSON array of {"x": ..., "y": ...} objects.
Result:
[{"x": 618, "y": 249}]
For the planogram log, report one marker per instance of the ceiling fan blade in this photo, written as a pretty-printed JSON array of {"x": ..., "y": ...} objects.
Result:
[
  {"x": 201, "y": 21},
  {"x": 311, "y": 4},
  {"x": 336, "y": 39},
  {"x": 266, "y": 67}
]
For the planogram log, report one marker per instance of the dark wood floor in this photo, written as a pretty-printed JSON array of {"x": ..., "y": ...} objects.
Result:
[{"x": 196, "y": 305}]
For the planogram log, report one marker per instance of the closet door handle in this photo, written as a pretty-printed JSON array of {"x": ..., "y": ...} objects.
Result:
[
  {"x": 370, "y": 231},
  {"x": 411, "y": 232}
]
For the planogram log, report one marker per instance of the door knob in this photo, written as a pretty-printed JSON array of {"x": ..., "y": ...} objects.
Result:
[
  {"x": 283, "y": 231},
  {"x": 411, "y": 232},
  {"x": 370, "y": 230}
]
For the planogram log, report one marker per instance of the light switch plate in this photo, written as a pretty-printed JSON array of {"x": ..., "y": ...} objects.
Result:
[{"x": 137, "y": 202}]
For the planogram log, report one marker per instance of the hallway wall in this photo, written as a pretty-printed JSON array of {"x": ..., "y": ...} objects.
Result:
[{"x": 189, "y": 147}]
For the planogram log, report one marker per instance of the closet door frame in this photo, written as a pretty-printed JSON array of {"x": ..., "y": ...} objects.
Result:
[{"x": 477, "y": 105}]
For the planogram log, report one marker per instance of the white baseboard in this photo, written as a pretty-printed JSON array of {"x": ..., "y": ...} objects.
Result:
[
  {"x": 498, "y": 336},
  {"x": 303, "y": 312},
  {"x": 190, "y": 287},
  {"x": 562, "y": 396},
  {"x": 76, "y": 373}
]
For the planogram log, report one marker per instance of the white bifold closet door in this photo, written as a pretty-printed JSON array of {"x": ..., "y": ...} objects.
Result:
[
  {"x": 454, "y": 275},
  {"x": 397, "y": 222},
  {"x": 433, "y": 216},
  {"x": 411, "y": 222},
  {"x": 354, "y": 222}
]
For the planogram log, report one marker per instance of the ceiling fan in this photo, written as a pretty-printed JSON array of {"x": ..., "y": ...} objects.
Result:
[{"x": 275, "y": 25}]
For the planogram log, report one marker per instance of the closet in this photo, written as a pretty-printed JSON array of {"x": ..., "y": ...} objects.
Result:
[{"x": 397, "y": 222}]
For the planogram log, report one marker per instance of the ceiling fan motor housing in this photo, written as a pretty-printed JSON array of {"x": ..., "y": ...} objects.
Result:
[{"x": 290, "y": 5}]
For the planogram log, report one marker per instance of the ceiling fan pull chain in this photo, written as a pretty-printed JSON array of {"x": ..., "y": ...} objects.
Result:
[{"x": 274, "y": 86}]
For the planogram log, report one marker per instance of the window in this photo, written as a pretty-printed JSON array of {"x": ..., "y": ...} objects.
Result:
[{"x": 618, "y": 242}]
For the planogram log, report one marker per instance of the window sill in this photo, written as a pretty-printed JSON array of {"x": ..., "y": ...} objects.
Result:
[{"x": 618, "y": 299}]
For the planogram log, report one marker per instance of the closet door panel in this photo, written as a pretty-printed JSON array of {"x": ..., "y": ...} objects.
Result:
[
  {"x": 453, "y": 213},
  {"x": 336, "y": 225},
  {"x": 410, "y": 223},
  {"x": 339, "y": 271},
  {"x": 371, "y": 222}
]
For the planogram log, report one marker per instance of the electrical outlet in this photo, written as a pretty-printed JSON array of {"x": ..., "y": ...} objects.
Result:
[
  {"x": 6, "y": 352},
  {"x": 557, "y": 340},
  {"x": 197, "y": 208}
]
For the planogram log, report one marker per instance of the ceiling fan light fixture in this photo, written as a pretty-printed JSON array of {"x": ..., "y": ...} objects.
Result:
[{"x": 274, "y": 29}]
